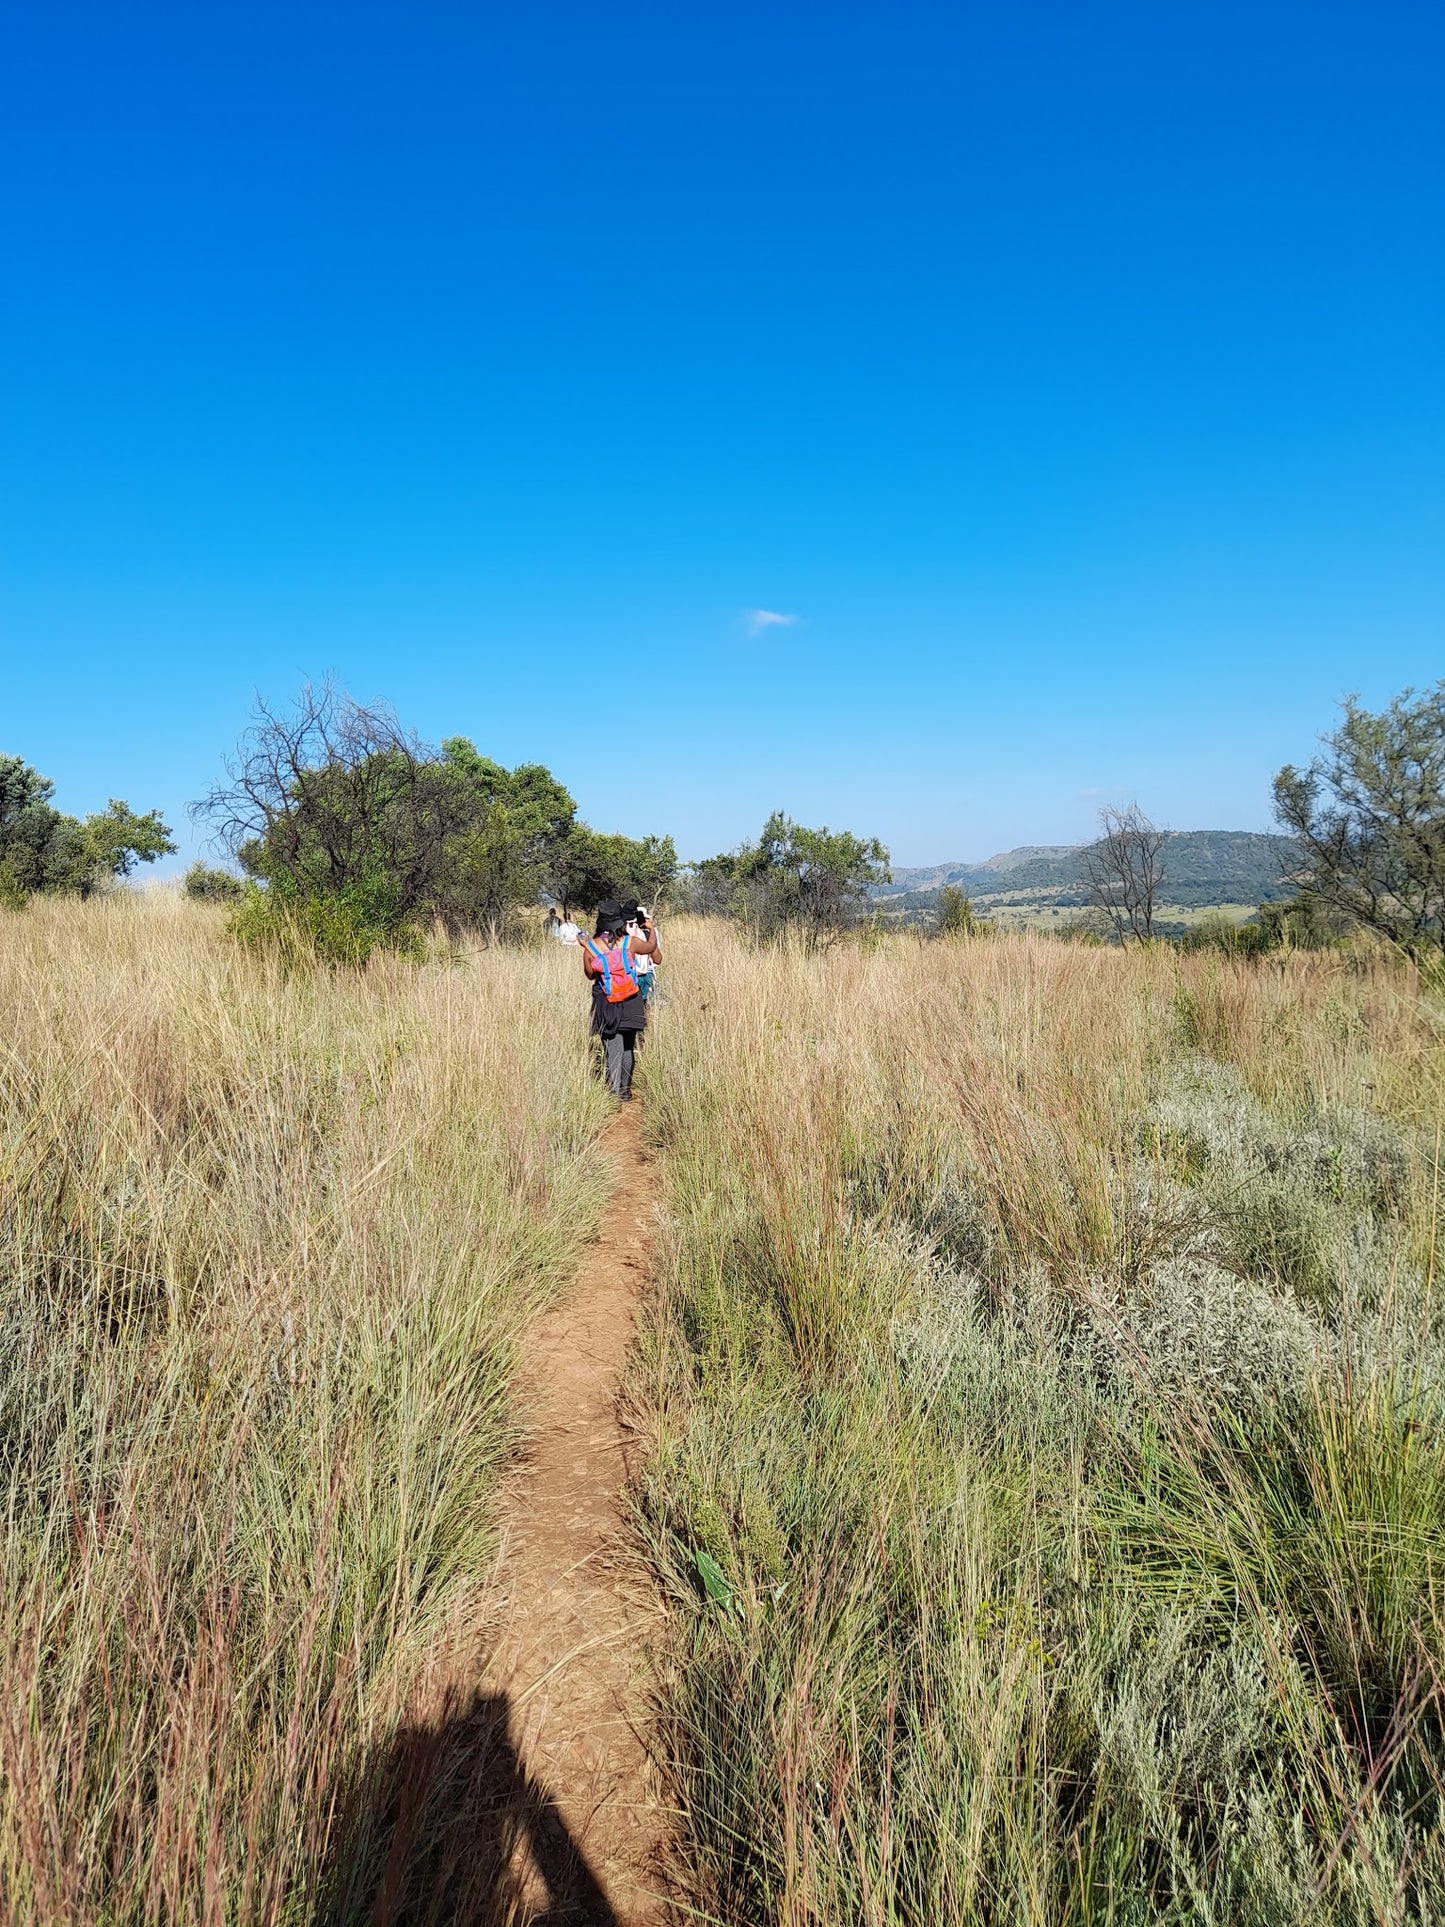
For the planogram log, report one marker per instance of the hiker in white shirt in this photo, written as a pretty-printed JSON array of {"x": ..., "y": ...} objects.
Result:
[
  {"x": 640, "y": 926},
  {"x": 567, "y": 931}
]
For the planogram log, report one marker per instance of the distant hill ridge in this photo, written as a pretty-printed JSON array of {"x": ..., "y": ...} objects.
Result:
[
  {"x": 1201, "y": 868},
  {"x": 1029, "y": 853}
]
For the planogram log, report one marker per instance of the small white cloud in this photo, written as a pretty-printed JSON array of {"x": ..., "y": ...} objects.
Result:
[
  {"x": 1088, "y": 796},
  {"x": 759, "y": 620}
]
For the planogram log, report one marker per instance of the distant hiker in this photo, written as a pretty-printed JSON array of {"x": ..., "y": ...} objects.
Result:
[
  {"x": 567, "y": 932},
  {"x": 551, "y": 923},
  {"x": 619, "y": 1010},
  {"x": 640, "y": 925}
]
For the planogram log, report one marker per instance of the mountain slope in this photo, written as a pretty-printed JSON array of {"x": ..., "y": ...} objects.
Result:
[{"x": 1201, "y": 868}]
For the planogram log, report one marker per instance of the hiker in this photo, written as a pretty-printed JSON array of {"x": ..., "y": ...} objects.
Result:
[
  {"x": 567, "y": 932},
  {"x": 619, "y": 1011},
  {"x": 640, "y": 924}
]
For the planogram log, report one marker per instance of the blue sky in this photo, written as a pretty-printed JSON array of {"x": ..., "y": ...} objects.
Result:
[{"x": 1072, "y": 374}]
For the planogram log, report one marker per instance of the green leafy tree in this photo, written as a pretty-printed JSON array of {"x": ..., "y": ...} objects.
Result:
[
  {"x": 710, "y": 888},
  {"x": 514, "y": 833},
  {"x": 28, "y": 826},
  {"x": 816, "y": 881},
  {"x": 1216, "y": 931},
  {"x": 44, "y": 850},
  {"x": 540, "y": 810},
  {"x": 117, "y": 839},
  {"x": 203, "y": 884},
  {"x": 359, "y": 833},
  {"x": 597, "y": 868},
  {"x": 1300, "y": 922},
  {"x": 1368, "y": 818},
  {"x": 955, "y": 916}
]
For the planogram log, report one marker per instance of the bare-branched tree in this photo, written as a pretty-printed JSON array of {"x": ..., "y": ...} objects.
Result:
[
  {"x": 335, "y": 796},
  {"x": 1124, "y": 871}
]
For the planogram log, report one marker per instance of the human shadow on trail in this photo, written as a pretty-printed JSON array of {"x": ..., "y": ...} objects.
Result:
[{"x": 448, "y": 1829}]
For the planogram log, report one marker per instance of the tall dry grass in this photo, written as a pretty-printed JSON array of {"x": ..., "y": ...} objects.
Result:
[
  {"x": 1049, "y": 1359},
  {"x": 267, "y": 1242}
]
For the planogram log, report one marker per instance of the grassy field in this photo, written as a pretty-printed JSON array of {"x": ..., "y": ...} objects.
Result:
[
  {"x": 1017, "y": 915},
  {"x": 1046, "y": 1391},
  {"x": 1026, "y": 914},
  {"x": 266, "y": 1245}
]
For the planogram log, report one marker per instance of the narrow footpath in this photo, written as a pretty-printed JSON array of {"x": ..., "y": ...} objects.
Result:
[{"x": 565, "y": 1662}]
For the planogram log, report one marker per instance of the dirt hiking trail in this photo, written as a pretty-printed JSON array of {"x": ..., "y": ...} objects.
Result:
[{"x": 573, "y": 1622}]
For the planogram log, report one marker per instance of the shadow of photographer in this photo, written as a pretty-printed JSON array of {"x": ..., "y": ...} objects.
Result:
[{"x": 448, "y": 1829}]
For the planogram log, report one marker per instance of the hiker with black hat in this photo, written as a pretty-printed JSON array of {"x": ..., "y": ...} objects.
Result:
[{"x": 619, "y": 1011}]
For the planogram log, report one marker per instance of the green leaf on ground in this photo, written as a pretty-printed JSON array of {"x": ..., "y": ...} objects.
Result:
[{"x": 713, "y": 1580}]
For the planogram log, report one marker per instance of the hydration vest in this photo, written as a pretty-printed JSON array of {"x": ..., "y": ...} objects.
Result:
[{"x": 619, "y": 973}]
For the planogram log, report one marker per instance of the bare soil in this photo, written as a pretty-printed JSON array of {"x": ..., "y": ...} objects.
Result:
[{"x": 563, "y": 1677}]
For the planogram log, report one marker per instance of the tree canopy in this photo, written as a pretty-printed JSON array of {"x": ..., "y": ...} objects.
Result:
[
  {"x": 335, "y": 801},
  {"x": 1368, "y": 816},
  {"x": 596, "y": 867},
  {"x": 792, "y": 877},
  {"x": 44, "y": 850}
]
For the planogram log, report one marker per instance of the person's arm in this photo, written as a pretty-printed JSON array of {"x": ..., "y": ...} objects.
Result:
[{"x": 641, "y": 946}]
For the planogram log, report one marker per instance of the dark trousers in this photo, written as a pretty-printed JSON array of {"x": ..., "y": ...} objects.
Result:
[{"x": 620, "y": 1050}]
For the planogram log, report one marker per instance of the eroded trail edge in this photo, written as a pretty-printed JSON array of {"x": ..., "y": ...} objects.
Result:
[{"x": 576, "y": 1613}]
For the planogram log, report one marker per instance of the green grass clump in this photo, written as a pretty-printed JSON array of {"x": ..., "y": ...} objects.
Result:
[{"x": 1060, "y": 1407}]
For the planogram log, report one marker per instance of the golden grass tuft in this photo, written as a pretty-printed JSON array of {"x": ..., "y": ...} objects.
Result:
[{"x": 267, "y": 1242}]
